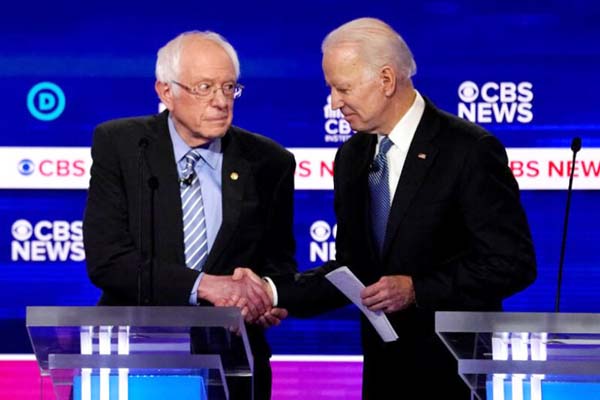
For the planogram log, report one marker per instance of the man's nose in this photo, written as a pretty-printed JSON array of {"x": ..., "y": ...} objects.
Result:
[
  {"x": 219, "y": 99},
  {"x": 336, "y": 100}
]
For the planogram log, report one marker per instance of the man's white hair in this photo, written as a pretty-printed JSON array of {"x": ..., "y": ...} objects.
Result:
[
  {"x": 378, "y": 44},
  {"x": 169, "y": 56}
]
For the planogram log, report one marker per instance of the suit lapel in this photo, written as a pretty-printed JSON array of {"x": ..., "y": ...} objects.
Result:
[
  {"x": 356, "y": 184},
  {"x": 420, "y": 157},
  {"x": 234, "y": 175},
  {"x": 161, "y": 160},
  {"x": 360, "y": 157}
]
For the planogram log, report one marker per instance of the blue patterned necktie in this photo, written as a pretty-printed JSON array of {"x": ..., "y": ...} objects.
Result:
[
  {"x": 380, "y": 192},
  {"x": 194, "y": 223}
]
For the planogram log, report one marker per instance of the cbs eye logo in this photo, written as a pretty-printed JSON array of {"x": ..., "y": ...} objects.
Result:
[
  {"x": 321, "y": 231},
  {"x": 468, "y": 91},
  {"x": 22, "y": 230},
  {"x": 322, "y": 246},
  {"x": 26, "y": 167},
  {"x": 46, "y": 101}
]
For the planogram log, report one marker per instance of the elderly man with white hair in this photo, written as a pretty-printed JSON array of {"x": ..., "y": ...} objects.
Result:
[
  {"x": 214, "y": 197},
  {"x": 428, "y": 216}
]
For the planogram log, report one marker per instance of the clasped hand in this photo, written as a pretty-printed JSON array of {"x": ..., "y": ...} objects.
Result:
[{"x": 246, "y": 290}]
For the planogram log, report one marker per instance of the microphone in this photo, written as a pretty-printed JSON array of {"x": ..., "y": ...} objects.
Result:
[
  {"x": 147, "y": 257},
  {"x": 575, "y": 147},
  {"x": 576, "y": 144},
  {"x": 187, "y": 181}
]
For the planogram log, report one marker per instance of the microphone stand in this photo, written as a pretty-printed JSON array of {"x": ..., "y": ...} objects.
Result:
[
  {"x": 575, "y": 147},
  {"x": 143, "y": 143},
  {"x": 152, "y": 185},
  {"x": 146, "y": 258}
]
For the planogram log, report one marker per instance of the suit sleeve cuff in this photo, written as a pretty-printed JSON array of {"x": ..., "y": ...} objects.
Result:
[
  {"x": 273, "y": 290},
  {"x": 194, "y": 294}
]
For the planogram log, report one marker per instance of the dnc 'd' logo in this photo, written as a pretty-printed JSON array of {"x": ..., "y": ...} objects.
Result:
[
  {"x": 337, "y": 129},
  {"x": 496, "y": 102},
  {"x": 46, "y": 101}
]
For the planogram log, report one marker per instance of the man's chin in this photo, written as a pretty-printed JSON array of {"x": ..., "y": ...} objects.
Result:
[
  {"x": 357, "y": 127},
  {"x": 217, "y": 133},
  {"x": 219, "y": 126},
  {"x": 353, "y": 122},
  {"x": 208, "y": 135},
  {"x": 216, "y": 129}
]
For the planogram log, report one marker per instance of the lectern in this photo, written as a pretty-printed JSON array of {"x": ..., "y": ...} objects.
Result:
[
  {"x": 508, "y": 355},
  {"x": 126, "y": 353}
]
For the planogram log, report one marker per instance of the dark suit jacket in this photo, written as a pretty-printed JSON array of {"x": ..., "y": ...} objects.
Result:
[
  {"x": 456, "y": 226},
  {"x": 257, "y": 226}
]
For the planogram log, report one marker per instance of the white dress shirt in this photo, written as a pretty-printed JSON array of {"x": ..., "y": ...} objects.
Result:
[{"x": 401, "y": 136}]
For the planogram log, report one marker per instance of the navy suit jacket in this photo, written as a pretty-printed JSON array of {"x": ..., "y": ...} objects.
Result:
[{"x": 456, "y": 226}]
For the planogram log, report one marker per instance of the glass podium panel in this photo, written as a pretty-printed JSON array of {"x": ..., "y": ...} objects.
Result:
[
  {"x": 107, "y": 351},
  {"x": 505, "y": 355}
]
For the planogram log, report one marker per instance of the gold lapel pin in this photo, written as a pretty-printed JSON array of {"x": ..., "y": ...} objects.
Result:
[
  {"x": 422, "y": 156},
  {"x": 234, "y": 176}
]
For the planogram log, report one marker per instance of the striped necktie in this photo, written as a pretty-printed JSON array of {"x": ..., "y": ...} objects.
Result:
[
  {"x": 194, "y": 223},
  {"x": 380, "y": 192}
]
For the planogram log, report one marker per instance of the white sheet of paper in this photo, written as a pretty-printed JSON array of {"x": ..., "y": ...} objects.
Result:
[{"x": 347, "y": 283}]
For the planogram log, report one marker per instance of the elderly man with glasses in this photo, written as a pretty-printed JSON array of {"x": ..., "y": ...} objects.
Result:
[{"x": 193, "y": 194}]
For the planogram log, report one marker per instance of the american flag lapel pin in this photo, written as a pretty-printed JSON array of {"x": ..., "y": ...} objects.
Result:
[{"x": 422, "y": 156}]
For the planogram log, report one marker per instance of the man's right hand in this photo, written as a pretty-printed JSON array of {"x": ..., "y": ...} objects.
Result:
[
  {"x": 247, "y": 292},
  {"x": 272, "y": 317}
]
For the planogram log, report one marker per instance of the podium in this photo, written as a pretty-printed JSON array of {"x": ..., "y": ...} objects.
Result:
[
  {"x": 128, "y": 353},
  {"x": 529, "y": 356}
]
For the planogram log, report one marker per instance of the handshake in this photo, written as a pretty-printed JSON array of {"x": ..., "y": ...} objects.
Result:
[{"x": 245, "y": 290}]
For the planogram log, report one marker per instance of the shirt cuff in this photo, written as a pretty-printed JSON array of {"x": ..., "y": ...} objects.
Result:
[
  {"x": 194, "y": 294},
  {"x": 273, "y": 290}
]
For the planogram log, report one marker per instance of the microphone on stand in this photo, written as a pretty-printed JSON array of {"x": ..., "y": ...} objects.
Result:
[
  {"x": 187, "y": 181},
  {"x": 147, "y": 258},
  {"x": 575, "y": 147}
]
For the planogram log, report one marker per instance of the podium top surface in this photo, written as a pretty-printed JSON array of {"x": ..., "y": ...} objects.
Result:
[
  {"x": 494, "y": 346},
  {"x": 180, "y": 316},
  {"x": 157, "y": 338},
  {"x": 474, "y": 322}
]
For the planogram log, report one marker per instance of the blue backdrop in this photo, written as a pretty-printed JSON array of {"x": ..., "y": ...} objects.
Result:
[{"x": 101, "y": 57}]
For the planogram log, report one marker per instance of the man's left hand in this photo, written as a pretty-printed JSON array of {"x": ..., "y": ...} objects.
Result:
[
  {"x": 273, "y": 317},
  {"x": 391, "y": 293}
]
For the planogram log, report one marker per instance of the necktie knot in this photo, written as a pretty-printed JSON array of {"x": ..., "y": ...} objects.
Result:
[
  {"x": 380, "y": 157},
  {"x": 191, "y": 158},
  {"x": 385, "y": 145}
]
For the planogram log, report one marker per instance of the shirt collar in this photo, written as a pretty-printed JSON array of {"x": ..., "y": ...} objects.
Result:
[
  {"x": 210, "y": 152},
  {"x": 403, "y": 132}
]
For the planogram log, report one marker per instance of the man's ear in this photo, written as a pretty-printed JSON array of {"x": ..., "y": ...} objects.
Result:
[
  {"x": 165, "y": 93},
  {"x": 387, "y": 77}
]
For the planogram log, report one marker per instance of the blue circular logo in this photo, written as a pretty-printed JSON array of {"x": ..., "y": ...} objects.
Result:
[
  {"x": 26, "y": 167},
  {"x": 46, "y": 101}
]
